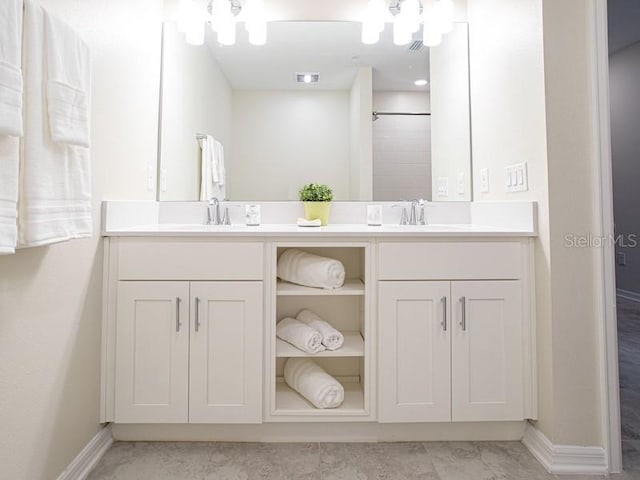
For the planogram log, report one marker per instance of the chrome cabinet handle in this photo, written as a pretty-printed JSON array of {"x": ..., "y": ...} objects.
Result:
[
  {"x": 178, "y": 324},
  {"x": 463, "y": 322},
  {"x": 197, "y": 314},
  {"x": 444, "y": 314}
]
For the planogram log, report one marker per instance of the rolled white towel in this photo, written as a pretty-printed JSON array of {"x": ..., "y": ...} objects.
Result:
[
  {"x": 299, "y": 335},
  {"x": 331, "y": 338},
  {"x": 310, "y": 270},
  {"x": 308, "y": 379}
]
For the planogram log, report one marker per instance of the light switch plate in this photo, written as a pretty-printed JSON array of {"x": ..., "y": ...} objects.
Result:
[
  {"x": 516, "y": 178},
  {"x": 443, "y": 186},
  {"x": 484, "y": 180}
]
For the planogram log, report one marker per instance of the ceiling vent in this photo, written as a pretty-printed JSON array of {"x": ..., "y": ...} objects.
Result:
[
  {"x": 416, "y": 46},
  {"x": 307, "y": 77}
]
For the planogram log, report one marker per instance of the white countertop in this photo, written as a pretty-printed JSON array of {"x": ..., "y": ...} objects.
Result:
[{"x": 335, "y": 230}]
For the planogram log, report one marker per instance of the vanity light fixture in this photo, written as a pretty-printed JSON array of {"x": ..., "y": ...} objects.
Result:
[
  {"x": 435, "y": 16},
  {"x": 223, "y": 16}
]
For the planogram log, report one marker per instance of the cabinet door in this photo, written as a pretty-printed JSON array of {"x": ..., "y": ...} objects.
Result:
[
  {"x": 152, "y": 352},
  {"x": 414, "y": 359},
  {"x": 226, "y": 352},
  {"x": 487, "y": 351}
]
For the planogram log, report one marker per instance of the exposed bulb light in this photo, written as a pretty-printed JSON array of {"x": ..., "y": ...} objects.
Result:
[
  {"x": 192, "y": 22},
  {"x": 436, "y": 17},
  {"x": 420, "y": 83},
  {"x": 256, "y": 23},
  {"x": 443, "y": 13},
  {"x": 370, "y": 34},
  {"x": 307, "y": 78},
  {"x": 410, "y": 13},
  {"x": 224, "y": 22},
  {"x": 401, "y": 31}
]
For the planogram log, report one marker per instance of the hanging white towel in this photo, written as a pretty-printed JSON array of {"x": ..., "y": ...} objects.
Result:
[
  {"x": 68, "y": 61},
  {"x": 11, "y": 86},
  {"x": 332, "y": 339},
  {"x": 297, "y": 266},
  {"x": 55, "y": 187},
  {"x": 308, "y": 379},
  {"x": 299, "y": 335},
  {"x": 212, "y": 169}
]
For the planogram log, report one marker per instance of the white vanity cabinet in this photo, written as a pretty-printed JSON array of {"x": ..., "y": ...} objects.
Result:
[
  {"x": 454, "y": 336},
  {"x": 189, "y": 352},
  {"x": 180, "y": 351}
]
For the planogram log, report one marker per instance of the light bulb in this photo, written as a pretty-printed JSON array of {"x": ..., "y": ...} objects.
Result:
[
  {"x": 431, "y": 36},
  {"x": 227, "y": 33},
  {"x": 443, "y": 15},
  {"x": 370, "y": 33},
  {"x": 194, "y": 24},
  {"x": 401, "y": 31},
  {"x": 220, "y": 11},
  {"x": 410, "y": 13},
  {"x": 420, "y": 83},
  {"x": 257, "y": 33},
  {"x": 307, "y": 78},
  {"x": 184, "y": 10}
]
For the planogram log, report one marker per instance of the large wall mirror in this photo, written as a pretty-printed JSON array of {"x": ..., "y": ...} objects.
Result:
[{"x": 365, "y": 127}]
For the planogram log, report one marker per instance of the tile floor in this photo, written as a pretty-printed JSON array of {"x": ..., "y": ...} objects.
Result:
[
  {"x": 324, "y": 461},
  {"x": 388, "y": 461},
  {"x": 629, "y": 357}
]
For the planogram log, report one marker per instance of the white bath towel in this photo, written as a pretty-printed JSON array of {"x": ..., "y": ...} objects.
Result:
[
  {"x": 313, "y": 383},
  {"x": 10, "y": 72},
  {"x": 68, "y": 79},
  {"x": 332, "y": 339},
  {"x": 310, "y": 270},
  {"x": 11, "y": 86},
  {"x": 55, "y": 185},
  {"x": 299, "y": 335},
  {"x": 212, "y": 169}
]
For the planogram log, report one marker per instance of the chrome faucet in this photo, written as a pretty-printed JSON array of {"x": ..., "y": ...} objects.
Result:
[
  {"x": 416, "y": 218},
  {"x": 213, "y": 212}
]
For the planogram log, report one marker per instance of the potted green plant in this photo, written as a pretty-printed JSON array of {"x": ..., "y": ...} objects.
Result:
[{"x": 317, "y": 201}]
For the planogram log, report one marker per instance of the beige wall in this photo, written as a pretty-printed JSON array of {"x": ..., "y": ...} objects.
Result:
[
  {"x": 50, "y": 297},
  {"x": 196, "y": 98},
  {"x": 284, "y": 139},
  {"x": 530, "y": 103},
  {"x": 572, "y": 163}
]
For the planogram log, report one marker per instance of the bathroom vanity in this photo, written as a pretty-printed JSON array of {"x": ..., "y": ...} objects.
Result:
[{"x": 438, "y": 320}]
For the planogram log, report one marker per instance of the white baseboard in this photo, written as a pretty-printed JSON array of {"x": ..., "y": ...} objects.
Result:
[
  {"x": 633, "y": 296},
  {"x": 565, "y": 459},
  {"x": 88, "y": 458}
]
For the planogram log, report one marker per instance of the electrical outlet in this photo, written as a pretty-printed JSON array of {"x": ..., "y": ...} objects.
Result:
[
  {"x": 622, "y": 259},
  {"x": 443, "y": 186},
  {"x": 484, "y": 180}
]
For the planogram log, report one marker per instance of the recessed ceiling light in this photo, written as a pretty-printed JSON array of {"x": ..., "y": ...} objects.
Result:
[
  {"x": 307, "y": 77},
  {"x": 420, "y": 83}
]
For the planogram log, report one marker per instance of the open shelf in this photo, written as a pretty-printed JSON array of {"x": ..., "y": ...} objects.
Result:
[
  {"x": 352, "y": 286},
  {"x": 290, "y": 402},
  {"x": 353, "y": 347}
]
